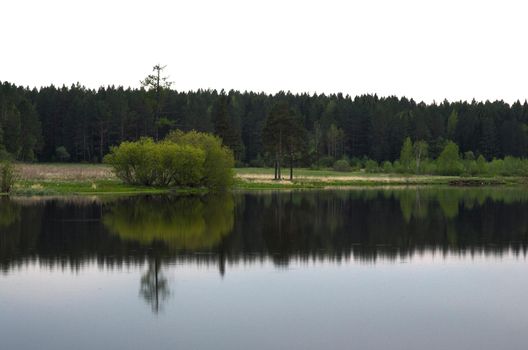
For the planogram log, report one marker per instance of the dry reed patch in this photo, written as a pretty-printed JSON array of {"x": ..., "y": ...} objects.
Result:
[
  {"x": 265, "y": 178},
  {"x": 64, "y": 172}
]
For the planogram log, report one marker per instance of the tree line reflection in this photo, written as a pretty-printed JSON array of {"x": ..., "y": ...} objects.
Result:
[
  {"x": 226, "y": 229},
  {"x": 280, "y": 226}
]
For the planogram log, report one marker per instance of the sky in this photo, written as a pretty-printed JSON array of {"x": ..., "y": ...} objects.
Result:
[{"x": 423, "y": 49}]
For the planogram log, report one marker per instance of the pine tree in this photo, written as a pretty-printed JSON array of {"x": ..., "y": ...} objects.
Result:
[{"x": 157, "y": 84}]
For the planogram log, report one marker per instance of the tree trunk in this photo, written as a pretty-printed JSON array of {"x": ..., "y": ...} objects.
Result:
[
  {"x": 85, "y": 150},
  {"x": 291, "y": 167},
  {"x": 101, "y": 133}
]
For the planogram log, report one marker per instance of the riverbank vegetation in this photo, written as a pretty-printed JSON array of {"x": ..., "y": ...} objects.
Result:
[
  {"x": 183, "y": 160},
  {"x": 7, "y": 176},
  {"x": 414, "y": 159},
  {"x": 95, "y": 179}
]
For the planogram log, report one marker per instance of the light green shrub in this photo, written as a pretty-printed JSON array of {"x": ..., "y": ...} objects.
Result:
[
  {"x": 371, "y": 166},
  {"x": 342, "y": 165},
  {"x": 326, "y": 162},
  {"x": 148, "y": 163},
  {"x": 387, "y": 167},
  {"x": 449, "y": 163},
  {"x": 219, "y": 160},
  {"x": 7, "y": 176}
]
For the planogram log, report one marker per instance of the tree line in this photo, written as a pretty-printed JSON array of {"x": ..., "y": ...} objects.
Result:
[{"x": 78, "y": 124}]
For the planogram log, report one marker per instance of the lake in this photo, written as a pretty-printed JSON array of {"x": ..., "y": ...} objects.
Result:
[{"x": 415, "y": 268}]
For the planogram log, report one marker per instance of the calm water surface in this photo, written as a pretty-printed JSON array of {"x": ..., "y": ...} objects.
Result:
[{"x": 434, "y": 268}]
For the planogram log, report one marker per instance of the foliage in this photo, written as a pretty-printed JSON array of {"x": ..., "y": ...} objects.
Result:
[
  {"x": 157, "y": 84},
  {"x": 420, "y": 149},
  {"x": 449, "y": 163},
  {"x": 335, "y": 138},
  {"x": 7, "y": 176},
  {"x": 407, "y": 155},
  {"x": 326, "y": 161},
  {"x": 342, "y": 165},
  {"x": 219, "y": 161},
  {"x": 62, "y": 154},
  {"x": 283, "y": 135},
  {"x": 387, "y": 167},
  {"x": 148, "y": 163},
  {"x": 88, "y": 122},
  {"x": 371, "y": 166},
  {"x": 225, "y": 128}
]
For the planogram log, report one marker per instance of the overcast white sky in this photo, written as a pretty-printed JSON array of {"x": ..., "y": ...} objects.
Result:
[{"x": 427, "y": 50}]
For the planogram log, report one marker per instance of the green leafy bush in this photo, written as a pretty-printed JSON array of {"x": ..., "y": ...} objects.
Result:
[
  {"x": 448, "y": 162},
  {"x": 180, "y": 165},
  {"x": 387, "y": 167},
  {"x": 7, "y": 176},
  {"x": 371, "y": 166},
  {"x": 482, "y": 165},
  {"x": 219, "y": 160},
  {"x": 62, "y": 154},
  {"x": 326, "y": 162},
  {"x": 148, "y": 163},
  {"x": 342, "y": 165}
]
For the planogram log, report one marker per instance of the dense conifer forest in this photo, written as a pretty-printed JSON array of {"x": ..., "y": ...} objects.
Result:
[{"x": 78, "y": 124}]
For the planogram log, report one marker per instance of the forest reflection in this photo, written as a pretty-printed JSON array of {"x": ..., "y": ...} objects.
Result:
[{"x": 364, "y": 225}]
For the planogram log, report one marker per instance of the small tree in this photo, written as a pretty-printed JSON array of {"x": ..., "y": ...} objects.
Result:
[
  {"x": 420, "y": 153},
  {"x": 283, "y": 134},
  {"x": 158, "y": 84},
  {"x": 335, "y": 139},
  {"x": 481, "y": 165},
  {"x": 449, "y": 160},
  {"x": 407, "y": 155},
  {"x": 62, "y": 154}
]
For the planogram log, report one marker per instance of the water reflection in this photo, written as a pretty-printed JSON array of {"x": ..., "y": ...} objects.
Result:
[
  {"x": 9, "y": 212},
  {"x": 187, "y": 223},
  {"x": 120, "y": 256},
  {"x": 154, "y": 286},
  {"x": 365, "y": 225}
]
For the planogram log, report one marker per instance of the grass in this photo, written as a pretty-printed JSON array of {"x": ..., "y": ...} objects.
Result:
[
  {"x": 305, "y": 172},
  {"x": 57, "y": 187},
  {"x": 262, "y": 178},
  {"x": 92, "y": 179},
  {"x": 79, "y": 179}
]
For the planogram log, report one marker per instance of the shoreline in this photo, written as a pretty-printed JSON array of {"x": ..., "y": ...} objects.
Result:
[
  {"x": 116, "y": 187},
  {"x": 96, "y": 179}
]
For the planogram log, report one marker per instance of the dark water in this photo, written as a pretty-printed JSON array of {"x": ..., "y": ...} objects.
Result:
[{"x": 352, "y": 269}]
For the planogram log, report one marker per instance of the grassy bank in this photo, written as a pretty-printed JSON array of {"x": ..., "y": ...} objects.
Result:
[
  {"x": 63, "y": 187},
  {"x": 262, "y": 178},
  {"x": 62, "y": 179},
  {"x": 78, "y": 179}
]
